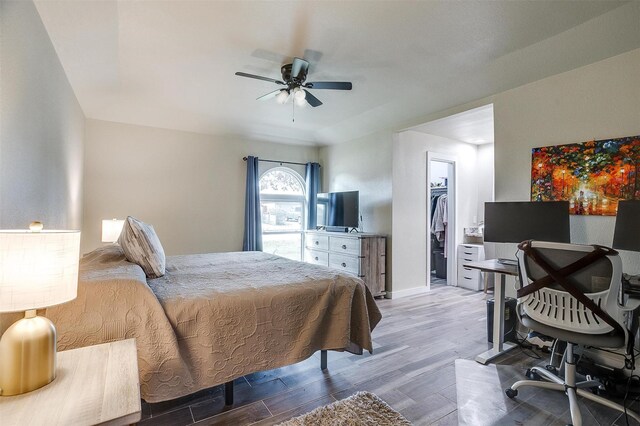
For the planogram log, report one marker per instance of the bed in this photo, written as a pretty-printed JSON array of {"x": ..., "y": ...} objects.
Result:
[{"x": 214, "y": 317}]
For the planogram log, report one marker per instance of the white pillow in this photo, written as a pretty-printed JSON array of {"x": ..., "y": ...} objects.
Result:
[{"x": 142, "y": 246}]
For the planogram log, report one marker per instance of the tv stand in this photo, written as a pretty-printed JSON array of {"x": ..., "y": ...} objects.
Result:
[
  {"x": 336, "y": 229},
  {"x": 362, "y": 255}
]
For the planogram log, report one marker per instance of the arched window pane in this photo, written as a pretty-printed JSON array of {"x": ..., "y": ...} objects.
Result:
[{"x": 280, "y": 181}]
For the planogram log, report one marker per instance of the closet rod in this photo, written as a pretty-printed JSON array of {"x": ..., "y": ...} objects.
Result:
[{"x": 279, "y": 162}]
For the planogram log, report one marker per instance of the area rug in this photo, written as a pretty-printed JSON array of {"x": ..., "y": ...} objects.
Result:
[{"x": 361, "y": 409}]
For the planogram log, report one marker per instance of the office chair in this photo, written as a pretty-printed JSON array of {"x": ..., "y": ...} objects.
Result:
[{"x": 573, "y": 293}]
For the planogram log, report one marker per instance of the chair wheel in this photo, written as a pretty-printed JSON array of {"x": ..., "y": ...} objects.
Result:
[
  {"x": 511, "y": 393},
  {"x": 532, "y": 375}
]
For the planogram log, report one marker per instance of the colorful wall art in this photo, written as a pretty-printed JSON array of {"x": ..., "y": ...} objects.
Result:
[{"x": 593, "y": 176}]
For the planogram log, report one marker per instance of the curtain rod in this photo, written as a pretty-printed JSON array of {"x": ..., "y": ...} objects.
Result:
[{"x": 279, "y": 162}]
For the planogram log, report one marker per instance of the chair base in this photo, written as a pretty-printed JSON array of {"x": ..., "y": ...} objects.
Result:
[{"x": 570, "y": 388}]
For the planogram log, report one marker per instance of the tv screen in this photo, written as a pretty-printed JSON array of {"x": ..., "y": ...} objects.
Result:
[
  {"x": 339, "y": 209},
  {"x": 514, "y": 222}
]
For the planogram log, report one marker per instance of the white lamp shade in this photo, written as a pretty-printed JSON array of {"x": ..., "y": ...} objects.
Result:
[
  {"x": 111, "y": 230},
  {"x": 38, "y": 269}
]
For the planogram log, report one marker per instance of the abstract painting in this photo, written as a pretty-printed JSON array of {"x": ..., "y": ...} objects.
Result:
[{"x": 593, "y": 176}]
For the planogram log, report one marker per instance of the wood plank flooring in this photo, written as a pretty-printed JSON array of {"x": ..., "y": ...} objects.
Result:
[{"x": 412, "y": 369}]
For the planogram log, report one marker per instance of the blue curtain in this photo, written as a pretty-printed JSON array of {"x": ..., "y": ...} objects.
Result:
[
  {"x": 252, "y": 240},
  {"x": 312, "y": 178}
]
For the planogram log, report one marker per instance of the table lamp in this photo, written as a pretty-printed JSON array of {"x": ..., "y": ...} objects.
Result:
[
  {"x": 38, "y": 268},
  {"x": 626, "y": 235},
  {"x": 111, "y": 230}
]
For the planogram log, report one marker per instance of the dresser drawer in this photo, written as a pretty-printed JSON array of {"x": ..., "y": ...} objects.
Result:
[
  {"x": 349, "y": 264},
  {"x": 316, "y": 257},
  {"x": 345, "y": 245},
  {"x": 320, "y": 242}
]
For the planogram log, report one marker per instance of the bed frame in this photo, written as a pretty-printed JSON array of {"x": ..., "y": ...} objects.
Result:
[{"x": 228, "y": 386}]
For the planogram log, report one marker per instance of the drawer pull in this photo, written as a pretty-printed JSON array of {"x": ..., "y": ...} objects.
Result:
[
  {"x": 316, "y": 242},
  {"x": 467, "y": 278},
  {"x": 466, "y": 269},
  {"x": 468, "y": 253},
  {"x": 344, "y": 265},
  {"x": 344, "y": 246},
  {"x": 469, "y": 260},
  {"x": 316, "y": 258}
]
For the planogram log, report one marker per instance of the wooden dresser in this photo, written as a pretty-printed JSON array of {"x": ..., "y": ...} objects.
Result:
[{"x": 362, "y": 255}]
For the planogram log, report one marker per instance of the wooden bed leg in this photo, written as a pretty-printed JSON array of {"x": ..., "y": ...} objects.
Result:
[
  {"x": 228, "y": 393},
  {"x": 323, "y": 359}
]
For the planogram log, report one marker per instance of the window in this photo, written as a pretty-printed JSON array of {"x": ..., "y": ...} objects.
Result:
[{"x": 283, "y": 212}]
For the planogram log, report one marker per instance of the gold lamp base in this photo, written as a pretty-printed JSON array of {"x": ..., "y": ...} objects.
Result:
[{"x": 27, "y": 355}]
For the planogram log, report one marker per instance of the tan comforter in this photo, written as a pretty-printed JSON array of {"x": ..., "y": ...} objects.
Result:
[{"x": 214, "y": 317}]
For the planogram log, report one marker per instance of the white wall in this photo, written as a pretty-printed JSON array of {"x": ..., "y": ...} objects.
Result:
[
  {"x": 598, "y": 101},
  {"x": 364, "y": 165},
  {"x": 41, "y": 127},
  {"x": 485, "y": 171},
  {"x": 189, "y": 186},
  {"x": 410, "y": 228}
]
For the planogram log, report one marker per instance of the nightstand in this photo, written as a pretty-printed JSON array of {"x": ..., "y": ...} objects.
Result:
[{"x": 94, "y": 384}]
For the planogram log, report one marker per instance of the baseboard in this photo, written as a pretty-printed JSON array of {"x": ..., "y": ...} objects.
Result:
[{"x": 406, "y": 292}]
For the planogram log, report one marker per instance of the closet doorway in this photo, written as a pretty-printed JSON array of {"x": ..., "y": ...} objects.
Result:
[{"x": 441, "y": 226}]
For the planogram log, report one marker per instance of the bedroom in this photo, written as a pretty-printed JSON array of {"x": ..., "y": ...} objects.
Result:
[{"x": 89, "y": 132}]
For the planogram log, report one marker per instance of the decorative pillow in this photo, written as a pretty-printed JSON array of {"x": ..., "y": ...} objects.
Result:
[{"x": 142, "y": 246}]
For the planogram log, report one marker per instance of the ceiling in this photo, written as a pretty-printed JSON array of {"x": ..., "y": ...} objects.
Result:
[
  {"x": 474, "y": 126},
  {"x": 171, "y": 64}
]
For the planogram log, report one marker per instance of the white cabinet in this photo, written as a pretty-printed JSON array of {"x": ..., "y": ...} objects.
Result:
[
  {"x": 361, "y": 255},
  {"x": 467, "y": 277}
]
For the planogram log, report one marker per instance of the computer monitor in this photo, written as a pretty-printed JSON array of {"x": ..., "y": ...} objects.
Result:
[
  {"x": 514, "y": 222},
  {"x": 626, "y": 235}
]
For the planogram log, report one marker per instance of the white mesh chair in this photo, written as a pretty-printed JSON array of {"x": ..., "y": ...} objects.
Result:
[{"x": 573, "y": 293}]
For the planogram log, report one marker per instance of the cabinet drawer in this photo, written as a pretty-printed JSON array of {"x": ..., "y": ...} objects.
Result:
[
  {"x": 320, "y": 242},
  {"x": 468, "y": 273},
  {"x": 345, "y": 245},
  {"x": 469, "y": 278},
  {"x": 349, "y": 264},
  {"x": 468, "y": 253},
  {"x": 316, "y": 257}
]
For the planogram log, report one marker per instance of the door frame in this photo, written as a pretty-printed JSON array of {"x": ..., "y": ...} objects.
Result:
[{"x": 452, "y": 195}]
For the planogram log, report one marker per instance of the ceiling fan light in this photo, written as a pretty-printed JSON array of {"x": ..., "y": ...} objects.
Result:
[
  {"x": 282, "y": 96},
  {"x": 299, "y": 94},
  {"x": 300, "y": 101}
]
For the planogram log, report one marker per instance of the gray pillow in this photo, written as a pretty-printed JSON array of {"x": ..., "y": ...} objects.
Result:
[{"x": 141, "y": 245}]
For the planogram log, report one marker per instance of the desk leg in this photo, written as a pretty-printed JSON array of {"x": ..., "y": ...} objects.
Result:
[{"x": 499, "y": 345}]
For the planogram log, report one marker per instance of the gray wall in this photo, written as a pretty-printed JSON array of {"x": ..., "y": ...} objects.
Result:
[
  {"x": 189, "y": 186},
  {"x": 41, "y": 127}
]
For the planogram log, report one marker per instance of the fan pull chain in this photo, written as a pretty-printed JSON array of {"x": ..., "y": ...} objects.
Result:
[{"x": 293, "y": 111}]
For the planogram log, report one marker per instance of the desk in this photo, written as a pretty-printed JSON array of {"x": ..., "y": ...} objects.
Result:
[
  {"x": 94, "y": 384},
  {"x": 501, "y": 269}
]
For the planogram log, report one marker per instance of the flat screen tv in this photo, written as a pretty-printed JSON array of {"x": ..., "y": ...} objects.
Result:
[
  {"x": 514, "y": 222},
  {"x": 339, "y": 209}
]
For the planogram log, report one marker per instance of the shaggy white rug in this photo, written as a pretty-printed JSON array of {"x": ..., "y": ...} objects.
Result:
[{"x": 361, "y": 409}]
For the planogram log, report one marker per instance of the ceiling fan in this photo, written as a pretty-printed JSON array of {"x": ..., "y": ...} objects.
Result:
[{"x": 294, "y": 76}]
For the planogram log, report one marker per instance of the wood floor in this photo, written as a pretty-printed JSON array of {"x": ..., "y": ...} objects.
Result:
[{"x": 412, "y": 369}]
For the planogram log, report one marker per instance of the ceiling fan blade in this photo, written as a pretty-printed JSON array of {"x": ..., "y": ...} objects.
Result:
[
  {"x": 299, "y": 68},
  {"x": 335, "y": 85},
  {"x": 269, "y": 95},
  {"x": 258, "y": 77},
  {"x": 313, "y": 101}
]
